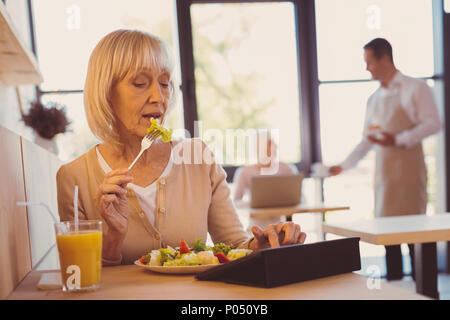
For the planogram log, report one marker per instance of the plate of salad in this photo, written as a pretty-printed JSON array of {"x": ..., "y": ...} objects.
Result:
[{"x": 189, "y": 260}]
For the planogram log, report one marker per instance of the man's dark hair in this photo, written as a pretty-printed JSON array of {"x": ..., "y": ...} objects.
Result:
[{"x": 380, "y": 47}]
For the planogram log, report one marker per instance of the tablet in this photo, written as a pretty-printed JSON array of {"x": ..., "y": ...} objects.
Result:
[{"x": 274, "y": 267}]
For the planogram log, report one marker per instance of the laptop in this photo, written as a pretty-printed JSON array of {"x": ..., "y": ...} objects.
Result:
[{"x": 276, "y": 190}]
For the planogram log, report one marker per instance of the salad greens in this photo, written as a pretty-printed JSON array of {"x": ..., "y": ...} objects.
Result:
[
  {"x": 165, "y": 134},
  {"x": 167, "y": 254},
  {"x": 198, "y": 254},
  {"x": 222, "y": 247}
]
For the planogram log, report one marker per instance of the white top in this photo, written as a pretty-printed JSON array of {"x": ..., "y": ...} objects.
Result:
[
  {"x": 146, "y": 195},
  {"x": 419, "y": 104}
]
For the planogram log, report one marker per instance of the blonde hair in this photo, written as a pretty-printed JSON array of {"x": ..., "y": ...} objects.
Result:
[{"x": 118, "y": 54}]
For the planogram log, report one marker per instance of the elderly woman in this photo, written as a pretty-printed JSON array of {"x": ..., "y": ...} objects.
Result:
[{"x": 159, "y": 201}]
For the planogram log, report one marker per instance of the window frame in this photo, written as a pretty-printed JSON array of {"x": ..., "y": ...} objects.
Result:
[
  {"x": 306, "y": 71},
  {"x": 446, "y": 62}
]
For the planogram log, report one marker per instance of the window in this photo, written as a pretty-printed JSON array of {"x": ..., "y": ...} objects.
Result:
[
  {"x": 246, "y": 74},
  {"x": 342, "y": 111},
  {"x": 343, "y": 30},
  {"x": 77, "y": 26},
  {"x": 74, "y": 25}
]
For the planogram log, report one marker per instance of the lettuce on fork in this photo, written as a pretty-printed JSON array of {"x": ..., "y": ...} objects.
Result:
[{"x": 165, "y": 134}]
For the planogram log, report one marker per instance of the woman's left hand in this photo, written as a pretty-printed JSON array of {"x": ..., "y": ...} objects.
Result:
[{"x": 278, "y": 234}]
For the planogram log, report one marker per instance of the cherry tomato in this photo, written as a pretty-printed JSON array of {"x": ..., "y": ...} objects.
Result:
[
  {"x": 222, "y": 257},
  {"x": 184, "y": 247}
]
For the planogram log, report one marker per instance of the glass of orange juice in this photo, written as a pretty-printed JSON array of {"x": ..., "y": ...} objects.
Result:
[{"x": 80, "y": 254}]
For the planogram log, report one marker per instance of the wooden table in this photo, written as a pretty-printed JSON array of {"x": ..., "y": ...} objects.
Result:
[
  {"x": 288, "y": 212},
  {"x": 421, "y": 230},
  {"x": 132, "y": 282}
]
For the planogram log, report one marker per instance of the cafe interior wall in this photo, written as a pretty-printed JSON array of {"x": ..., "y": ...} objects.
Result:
[{"x": 10, "y": 118}]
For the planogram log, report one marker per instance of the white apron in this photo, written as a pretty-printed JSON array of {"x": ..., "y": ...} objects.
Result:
[{"x": 400, "y": 173}]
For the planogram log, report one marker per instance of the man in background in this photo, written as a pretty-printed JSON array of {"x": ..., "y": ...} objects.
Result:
[
  {"x": 267, "y": 164},
  {"x": 400, "y": 114}
]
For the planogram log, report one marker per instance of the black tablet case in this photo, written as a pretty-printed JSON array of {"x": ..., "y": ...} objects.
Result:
[{"x": 274, "y": 267}]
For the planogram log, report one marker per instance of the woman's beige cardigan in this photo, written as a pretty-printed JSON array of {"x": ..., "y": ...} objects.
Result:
[{"x": 192, "y": 200}]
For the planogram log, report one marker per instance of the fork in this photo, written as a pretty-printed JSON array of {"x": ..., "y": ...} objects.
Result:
[{"x": 145, "y": 144}]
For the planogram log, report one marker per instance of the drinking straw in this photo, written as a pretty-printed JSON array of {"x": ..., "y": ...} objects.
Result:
[{"x": 75, "y": 206}]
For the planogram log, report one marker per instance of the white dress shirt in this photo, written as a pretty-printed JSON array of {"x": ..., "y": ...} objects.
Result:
[
  {"x": 146, "y": 195},
  {"x": 418, "y": 102}
]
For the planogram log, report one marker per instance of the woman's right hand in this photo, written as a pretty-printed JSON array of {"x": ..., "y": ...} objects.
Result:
[{"x": 112, "y": 203}]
